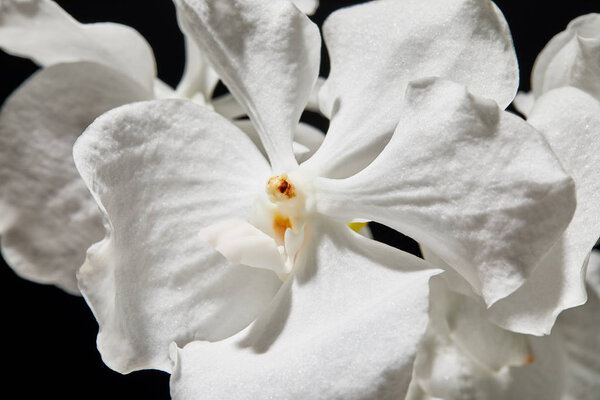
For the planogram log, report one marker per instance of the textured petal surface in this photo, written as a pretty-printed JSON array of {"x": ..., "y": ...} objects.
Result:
[
  {"x": 162, "y": 171},
  {"x": 42, "y": 31},
  {"x": 51, "y": 219},
  {"x": 476, "y": 185},
  {"x": 570, "y": 121},
  {"x": 571, "y": 58},
  {"x": 579, "y": 328},
  {"x": 352, "y": 317},
  {"x": 267, "y": 54},
  {"x": 378, "y": 47}
]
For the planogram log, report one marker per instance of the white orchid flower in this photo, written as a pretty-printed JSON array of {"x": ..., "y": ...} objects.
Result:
[
  {"x": 571, "y": 58},
  {"x": 459, "y": 174},
  {"x": 48, "y": 219},
  {"x": 464, "y": 356}
]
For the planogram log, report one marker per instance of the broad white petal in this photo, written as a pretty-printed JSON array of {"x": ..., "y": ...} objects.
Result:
[
  {"x": 267, "y": 54},
  {"x": 571, "y": 58},
  {"x": 378, "y": 47},
  {"x": 352, "y": 317},
  {"x": 308, "y": 7},
  {"x": 570, "y": 121},
  {"x": 51, "y": 219},
  {"x": 161, "y": 171},
  {"x": 44, "y": 32},
  {"x": 580, "y": 329},
  {"x": 476, "y": 185}
]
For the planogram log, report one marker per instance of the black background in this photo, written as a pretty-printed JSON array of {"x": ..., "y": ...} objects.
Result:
[{"x": 48, "y": 336}]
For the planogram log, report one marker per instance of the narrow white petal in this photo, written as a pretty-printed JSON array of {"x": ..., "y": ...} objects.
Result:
[{"x": 267, "y": 54}]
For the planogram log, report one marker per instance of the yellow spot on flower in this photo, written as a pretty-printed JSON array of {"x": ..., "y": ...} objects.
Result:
[
  {"x": 357, "y": 226},
  {"x": 280, "y": 225}
]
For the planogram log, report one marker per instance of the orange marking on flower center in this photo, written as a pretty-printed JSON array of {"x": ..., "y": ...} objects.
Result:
[
  {"x": 280, "y": 225},
  {"x": 530, "y": 359}
]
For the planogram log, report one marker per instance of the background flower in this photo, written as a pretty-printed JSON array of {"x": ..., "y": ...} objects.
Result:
[{"x": 54, "y": 327}]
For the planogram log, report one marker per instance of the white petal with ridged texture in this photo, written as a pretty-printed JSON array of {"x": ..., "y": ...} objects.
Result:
[
  {"x": 476, "y": 185},
  {"x": 44, "y": 32},
  {"x": 267, "y": 53},
  {"x": 343, "y": 326},
  {"x": 571, "y": 58},
  {"x": 162, "y": 171},
  {"x": 52, "y": 219},
  {"x": 378, "y": 47},
  {"x": 579, "y": 329},
  {"x": 570, "y": 121}
]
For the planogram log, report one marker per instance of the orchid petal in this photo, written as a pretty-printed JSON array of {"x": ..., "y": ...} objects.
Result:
[
  {"x": 570, "y": 121},
  {"x": 51, "y": 218},
  {"x": 378, "y": 47},
  {"x": 476, "y": 185},
  {"x": 44, "y": 32},
  {"x": 353, "y": 293},
  {"x": 161, "y": 171},
  {"x": 267, "y": 54},
  {"x": 571, "y": 58},
  {"x": 579, "y": 327}
]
